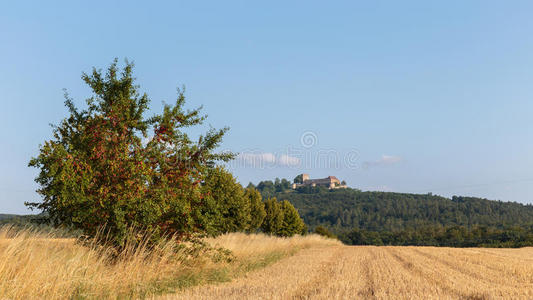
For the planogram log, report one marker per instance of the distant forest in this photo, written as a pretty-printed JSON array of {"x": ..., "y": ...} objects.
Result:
[{"x": 384, "y": 218}]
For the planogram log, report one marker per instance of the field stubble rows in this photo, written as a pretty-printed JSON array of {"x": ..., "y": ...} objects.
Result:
[
  {"x": 34, "y": 264},
  {"x": 367, "y": 272}
]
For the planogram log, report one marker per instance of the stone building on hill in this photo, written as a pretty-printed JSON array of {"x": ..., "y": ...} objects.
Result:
[{"x": 330, "y": 182}]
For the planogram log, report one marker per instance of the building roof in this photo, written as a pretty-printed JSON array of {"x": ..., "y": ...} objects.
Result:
[{"x": 326, "y": 180}]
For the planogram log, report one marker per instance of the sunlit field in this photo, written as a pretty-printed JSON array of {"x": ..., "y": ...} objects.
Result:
[
  {"x": 35, "y": 264},
  {"x": 39, "y": 265},
  {"x": 368, "y": 272}
]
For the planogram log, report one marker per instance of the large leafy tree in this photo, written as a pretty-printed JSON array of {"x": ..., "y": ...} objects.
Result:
[{"x": 108, "y": 165}]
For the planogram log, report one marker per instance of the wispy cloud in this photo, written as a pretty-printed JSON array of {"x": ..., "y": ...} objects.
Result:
[
  {"x": 257, "y": 158},
  {"x": 263, "y": 159},
  {"x": 287, "y": 160},
  {"x": 385, "y": 160}
]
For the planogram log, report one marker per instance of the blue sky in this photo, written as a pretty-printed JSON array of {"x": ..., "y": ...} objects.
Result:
[{"x": 406, "y": 96}]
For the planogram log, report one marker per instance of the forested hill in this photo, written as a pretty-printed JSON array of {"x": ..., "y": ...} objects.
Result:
[
  {"x": 398, "y": 218},
  {"x": 348, "y": 208}
]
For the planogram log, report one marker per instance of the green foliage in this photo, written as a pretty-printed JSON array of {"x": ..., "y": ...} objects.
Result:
[
  {"x": 37, "y": 223},
  {"x": 270, "y": 189},
  {"x": 282, "y": 219},
  {"x": 305, "y": 228},
  {"x": 257, "y": 208},
  {"x": 449, "y": 236},
  {"x": 298, "y": 179},
  {"x": 274, "y": 217},
  {"x": 292, "y": 223},
  {"x": 96, "y": 171},
  {"x": 378, "y": 211},
  {"x": 405, "y": 219},
  {"x": 232, "y": 211},
  {"x": 323, "y": 231}
]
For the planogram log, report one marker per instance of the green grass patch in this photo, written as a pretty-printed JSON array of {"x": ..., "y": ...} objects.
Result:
[{"x": 224, "y": 272}]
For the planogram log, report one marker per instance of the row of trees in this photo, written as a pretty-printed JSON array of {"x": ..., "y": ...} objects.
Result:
[
  {"x": 109, "y": 165},
  {"x": 449, "y": 236},
  {"x": 238, "y": 209},
  {"x": 269, "y": 188}
]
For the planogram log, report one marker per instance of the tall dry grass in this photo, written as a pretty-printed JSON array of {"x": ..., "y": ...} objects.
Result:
[
  {"x": 37, "y": 264},
  {"x": 249, "y": 245},
  {"x": 253, "y": 251}
]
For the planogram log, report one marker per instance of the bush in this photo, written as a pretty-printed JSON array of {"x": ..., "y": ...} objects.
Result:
[
  {"x": 282, "y": 219},
  {"x": 323, "y": 231},
  {"x": 257, "y": 208},
  {"x": 292, "y": 223},
  {"x": 274, "y": 217},
  {"x": 230, "y": 207}
]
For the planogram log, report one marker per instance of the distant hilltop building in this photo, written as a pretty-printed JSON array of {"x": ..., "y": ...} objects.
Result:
[{"x": 330, "y": 182}]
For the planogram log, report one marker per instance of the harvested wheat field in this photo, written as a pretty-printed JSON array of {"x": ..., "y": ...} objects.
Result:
[
  {"x": 41, "y": 265},
  {"x": 367, "y": 272}
]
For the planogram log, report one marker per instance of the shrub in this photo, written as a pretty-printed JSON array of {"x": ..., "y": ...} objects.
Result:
[
  {"x": 323, "y": 231},
  {"x": 230, "y": 208},
  {"x": 257, "y": 208},
  {"x": 292, "y": 223},
  {"x": 282, "y": 219},
  {"x": 274, "y": 217}
]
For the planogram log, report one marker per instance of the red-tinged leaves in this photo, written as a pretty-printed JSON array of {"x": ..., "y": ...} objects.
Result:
[{"x": 97, "y": 172}]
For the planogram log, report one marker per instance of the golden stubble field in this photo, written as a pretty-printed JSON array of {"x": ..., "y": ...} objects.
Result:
[
  {"x": 36, "y": 265},
  {"x": 366, "y": 272}
]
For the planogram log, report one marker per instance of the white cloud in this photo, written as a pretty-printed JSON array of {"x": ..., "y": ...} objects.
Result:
[
  {"x": 257, "y": 158},
  {"x": 263, "y": 159},
  {"x": 286, "y": 160},
  {"x": 385, "y": 160}
]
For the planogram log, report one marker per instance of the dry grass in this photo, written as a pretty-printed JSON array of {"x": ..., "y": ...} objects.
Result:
[
  {"x": 344, "y": 272},
  {"x": 38, "y": 265},
  {"x": 250, "y": 245}
]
